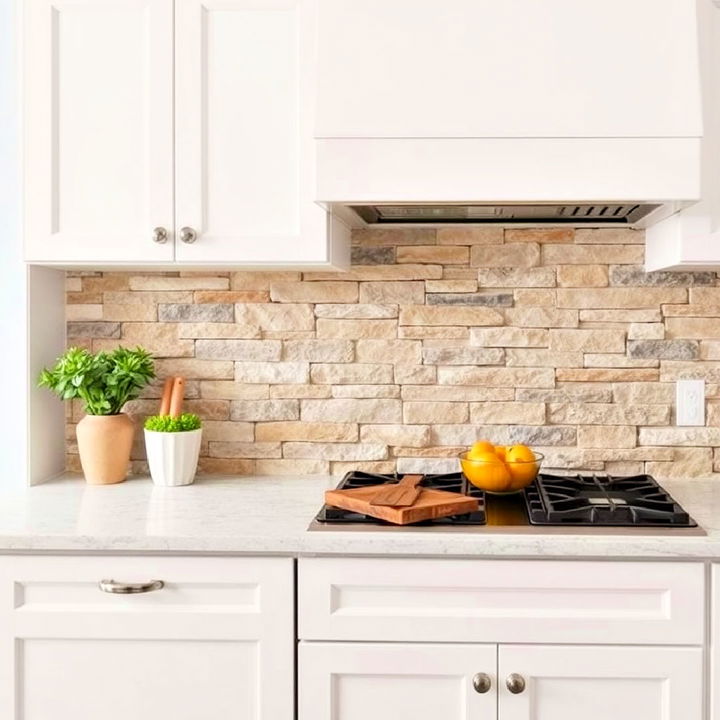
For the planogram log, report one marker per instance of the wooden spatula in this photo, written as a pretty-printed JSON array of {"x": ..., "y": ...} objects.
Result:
[{"x": 402, "y": 494}]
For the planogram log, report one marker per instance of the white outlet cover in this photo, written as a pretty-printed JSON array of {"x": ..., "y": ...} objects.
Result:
[{"x": 690, "y": 402}]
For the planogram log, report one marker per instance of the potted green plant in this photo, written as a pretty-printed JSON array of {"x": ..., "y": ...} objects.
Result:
[
  {"x": 173, "y": 448},
  {"x": 104, "y": 381}
]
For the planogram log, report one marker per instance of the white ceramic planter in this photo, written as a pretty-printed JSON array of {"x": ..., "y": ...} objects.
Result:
[{"x": 173, "y": 456}]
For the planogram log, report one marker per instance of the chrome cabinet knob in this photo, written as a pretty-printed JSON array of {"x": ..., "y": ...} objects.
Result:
[
  {"x": 515, "y": 683},
  {"x": 160, "y": 235},
  {"x": 482, "y": 683},
  {"x": 188, "y": 235},
  {"x": 119, "y": 588}
]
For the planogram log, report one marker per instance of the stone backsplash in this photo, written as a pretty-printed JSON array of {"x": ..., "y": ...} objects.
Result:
[{"x": 552, "y": 337}]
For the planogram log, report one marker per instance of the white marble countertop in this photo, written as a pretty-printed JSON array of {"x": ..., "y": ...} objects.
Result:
[{"x": 270, "y": 515}]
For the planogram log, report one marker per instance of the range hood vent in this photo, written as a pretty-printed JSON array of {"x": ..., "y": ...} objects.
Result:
[{"x": 594, "y": 214}]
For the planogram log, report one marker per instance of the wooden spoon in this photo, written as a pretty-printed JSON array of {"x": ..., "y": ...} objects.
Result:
[
  {"x": 167, "y": 393},
  {"x": 178, "y": 395},
  {"x": 402, "y": 494}
]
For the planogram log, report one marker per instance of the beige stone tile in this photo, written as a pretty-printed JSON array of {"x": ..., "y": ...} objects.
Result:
[
  {"x": 231, "y": 390},
  {"x": 607, "y": 436},
  {"x": 509, "y": 255},
  {"x": 692, "y": 310},
  {"x": 84, "y": 312},
  {"x": 356, "y": 311},
  {"x": 234, "y": 349},
  {"x": 372, "y": 237},
  {"x": 351, "y": 373},
  {"x": 276, "y": 316},
  {"x": 389, "y": 351},
  {"x": 687, "y": 463},
  {"x": 509, "y": 337},
  {"x": 272, "y": 372},
  {"x": 621, "y": 316},
  {"x": 535, "y": 298},
  {"x": 382, "y": 466},
  {"x": 436, "y": 332},
  {"x": 318, "y": 350},
  {"x": 231, "y": 296},
  {"x": 593, "y": 254},
  {"x": 587, "y": 340},
  {"x": 222, "y": 449},
  {"x": 217, "y": 331},
  {"x": 541, "y": 317},
  {"x": 607, "y": 375},
  {"x": 514, "y": 277},
  {"x": 451, "y": 286},
  {"x": 540, "y": 235},
  {"x": 609, "y": 236},
  {"x": 396, "y": 435},
  {"x": 675, "y": 436},
  {"x": 582, "y": 275},
  {"x": 260, "y": 280},
  {"x": 335, "y": 451},
  {"x": 302, "y": 431},
  {"x": 317, "y": 292},
  {"x": 291, "y": 467},
  {"x": 226, "y": 430},
  {"x": 160, "y": 282},
  {"x": 300, "y": 391},
  {"x": 347, "y": 410},
  {"x": 646, "y": 331},
  {"x": 225, "y": 466},
  {"x": 617, "y": 361},
  {"x": 356, "y": 329},
  {"x": 608, "y": 414},
  {"x": 691, "y": 327},
  {"x": 445, "y": 315},
  {"x": 470, "y": 235},
  {"x": 502, "y": 413},
  {"x": 499, "y": 377},
  {"x": 457, "y": 393},
  {"x": 432, "y": 412},
  {"x": 405, "y": 293},
  {"x": 196, "y": 369},
  {"x": 442, "y": 254},
  {"x": 415, "y": 374},
  {"x": 365, "y": 391},
  {"x": 533, "y": 357},
  {"x": 619, "y": 298},
  {"x": 381, "y": 273}
]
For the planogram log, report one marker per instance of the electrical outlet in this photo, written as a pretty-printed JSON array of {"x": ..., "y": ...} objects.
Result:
[{"x": 690, "y": 402}]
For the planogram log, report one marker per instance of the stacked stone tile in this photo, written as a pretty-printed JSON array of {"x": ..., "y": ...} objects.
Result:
[{"x": 553, "y": 337}]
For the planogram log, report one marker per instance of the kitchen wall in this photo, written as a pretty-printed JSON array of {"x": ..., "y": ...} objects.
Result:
[{"x": 555, "y": 338}]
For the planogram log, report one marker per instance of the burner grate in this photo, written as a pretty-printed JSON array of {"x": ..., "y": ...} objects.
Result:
[
  {"x": 592, "y": 499},
  {"x": 452, "y": 482}
]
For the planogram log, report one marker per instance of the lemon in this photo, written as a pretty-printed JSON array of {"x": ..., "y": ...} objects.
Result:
[
  {"x": 482, "y": 446},
  {"x": 486, "y": 471}
]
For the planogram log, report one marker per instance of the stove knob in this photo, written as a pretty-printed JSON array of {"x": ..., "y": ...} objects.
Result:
[
  {"x": 515, "y": 683},
  {"x": 482, "y": 683}
]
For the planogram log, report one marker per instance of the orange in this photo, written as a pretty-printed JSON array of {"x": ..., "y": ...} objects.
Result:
[
  {"x": 500, "y": 451},
  {"x": 486, "y": 471},
  {"x": 481, "y": 446},
  {"x": 522, "y": 465}
]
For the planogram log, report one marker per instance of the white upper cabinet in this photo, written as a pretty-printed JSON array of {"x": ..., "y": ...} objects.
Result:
[
  {"x": 244, "y": 87},
  {"x": 484, "y": 68},
  {"x": 97, "y": 124},
  {"x": 191, "y": 116}
]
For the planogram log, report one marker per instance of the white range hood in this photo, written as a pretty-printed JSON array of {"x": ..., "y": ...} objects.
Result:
[{"x": 483, "y": 111}]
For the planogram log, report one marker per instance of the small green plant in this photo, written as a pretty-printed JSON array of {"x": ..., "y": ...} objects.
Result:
[
  {"x": 166, "y": 423},
  {"x": 104, "y": 381}
]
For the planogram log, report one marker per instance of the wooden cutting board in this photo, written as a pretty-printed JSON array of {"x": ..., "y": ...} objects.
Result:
[{"x": 430, "y": 504}]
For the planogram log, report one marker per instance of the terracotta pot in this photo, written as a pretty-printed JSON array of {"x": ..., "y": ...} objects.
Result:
[{"x": 104, "y": 442}]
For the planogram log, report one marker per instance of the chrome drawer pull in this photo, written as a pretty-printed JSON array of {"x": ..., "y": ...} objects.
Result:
[{"x": 120, "y": 588}]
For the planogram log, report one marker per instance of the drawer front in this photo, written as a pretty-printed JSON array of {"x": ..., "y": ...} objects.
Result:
[
  {"x": 200, "y": 598},
  {"x": 501, "y": 601}
]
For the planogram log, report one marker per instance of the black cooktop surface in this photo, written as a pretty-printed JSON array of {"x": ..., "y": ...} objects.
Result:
[
  {"x": 584, "y": 500},
  {"x": 603, "y": 500}
]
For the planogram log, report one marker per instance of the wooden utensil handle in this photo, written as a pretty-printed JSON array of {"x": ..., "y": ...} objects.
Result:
[
  {"x": 167, "y": 393},
  {"x": 178, "y": 394},
  {"x": 411, "y": 480}
]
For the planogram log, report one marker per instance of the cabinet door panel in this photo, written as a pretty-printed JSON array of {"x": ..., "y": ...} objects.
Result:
[
  {"x": 597, "y": 683},
  {"x": 244, "y": 153},
  {"x": 215, "y": 642},
  {"x": 341, "y": 681},
  {"x": 97, "y": 130}
]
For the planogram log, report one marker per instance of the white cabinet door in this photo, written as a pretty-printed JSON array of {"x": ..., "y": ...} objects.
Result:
[
  {"x": 601, "y": 683},
  {"x": 361, "y": 681},
  {"x": 215, "y": 643},
  {"x": 97, "y": 127},
  {"x": 245, "y": 180}
]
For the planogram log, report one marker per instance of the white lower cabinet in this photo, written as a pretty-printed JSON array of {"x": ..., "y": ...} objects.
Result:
[
  {"x": 414, "y": 639},
  {"x": 376, "y": 681},
  {"x": 408, "y": 681},
  {"x": 214, "y": 643},
  {"x": 600, "y": 683}
]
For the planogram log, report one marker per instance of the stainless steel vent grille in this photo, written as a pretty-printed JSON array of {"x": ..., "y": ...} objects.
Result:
[{"x": 589, "y": 214}]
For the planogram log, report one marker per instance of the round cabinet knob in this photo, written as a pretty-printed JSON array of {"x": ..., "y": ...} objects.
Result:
[
  {"x": 160, "y": 235},
  {"x": 515, "y": 683},
  {"x": 482, "y": 683},
  {"x": 188, "y": 235}
]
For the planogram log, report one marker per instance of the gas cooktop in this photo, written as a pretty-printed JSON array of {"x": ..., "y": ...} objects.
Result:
[{"x": 558, "y": 503}]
